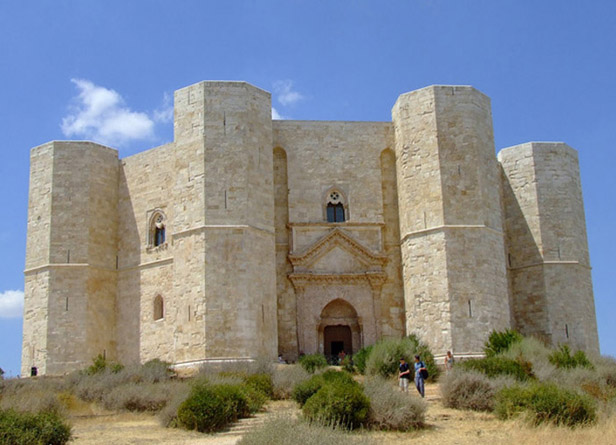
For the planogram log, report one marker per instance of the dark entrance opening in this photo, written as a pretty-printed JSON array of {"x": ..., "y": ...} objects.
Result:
[{"x": 337, "y": 339}]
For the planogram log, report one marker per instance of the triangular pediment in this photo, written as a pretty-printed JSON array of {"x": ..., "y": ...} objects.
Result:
[{"x": 337, "y": 252}]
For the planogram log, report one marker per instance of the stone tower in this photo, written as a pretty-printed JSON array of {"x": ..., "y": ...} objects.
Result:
[
  {"x": 70, "y": 277},
  {"x": 452, "y": 243},
  {"x": 548, "y": 258},
  {"x": 232, "y": 121}
]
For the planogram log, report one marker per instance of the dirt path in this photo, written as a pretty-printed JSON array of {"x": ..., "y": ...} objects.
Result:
[{"x": 444, "y": 426}]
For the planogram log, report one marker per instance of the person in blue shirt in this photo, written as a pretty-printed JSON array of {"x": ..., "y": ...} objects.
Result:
[
  {"x": 404, "y": 376},
  {"x": 419, "y": 379}
]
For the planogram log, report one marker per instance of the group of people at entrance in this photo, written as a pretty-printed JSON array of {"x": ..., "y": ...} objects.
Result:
[{"x": 421, "y": 373}]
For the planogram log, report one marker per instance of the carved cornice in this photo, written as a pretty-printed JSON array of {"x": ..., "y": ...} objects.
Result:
[
  {"x": 337, "y": 237},
  {"x": 302, "y": 279}
]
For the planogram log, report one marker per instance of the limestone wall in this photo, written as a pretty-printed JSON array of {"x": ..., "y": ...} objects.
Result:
[
  {"x": 346, "y": 157},
  {"x": 548, "y": 251},
  {"x": 74, "y": 298},
  {"x": 455, "y": 280}
]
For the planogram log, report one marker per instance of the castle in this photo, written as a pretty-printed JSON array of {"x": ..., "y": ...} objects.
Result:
[{"x": 249, "y": 237}]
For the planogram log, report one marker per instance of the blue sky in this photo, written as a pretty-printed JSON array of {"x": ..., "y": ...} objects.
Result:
[{"x": 106, "y": 70}]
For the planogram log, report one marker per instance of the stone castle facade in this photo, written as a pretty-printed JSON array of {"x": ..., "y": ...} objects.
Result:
[{"x": 249, "y": 237}]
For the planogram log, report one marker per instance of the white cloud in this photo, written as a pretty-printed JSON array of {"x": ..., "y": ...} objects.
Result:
[
  {"x": 164, "y": 114},
  {"x": 285, "y": 93},
  {"x": 100, "y": 114},
  {"x": 11, "y": 304},
  {"x": 276, "y": 114}
]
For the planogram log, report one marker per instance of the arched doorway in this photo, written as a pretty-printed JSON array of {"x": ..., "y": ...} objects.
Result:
[
  {"x": 339, "y": 329},
  {"x": 337, "y": 339}
]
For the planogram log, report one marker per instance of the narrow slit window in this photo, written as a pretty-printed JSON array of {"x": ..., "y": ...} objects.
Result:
[
  {"x": 158, "y": 308},
  {"x": 470, "y": 308}
]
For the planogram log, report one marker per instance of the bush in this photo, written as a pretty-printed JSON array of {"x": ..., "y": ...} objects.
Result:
[
  {"x": 347, "y": 365},
  {"x": 303, "y": 391},
  {"x": 391, "y": 409},
  {"x": 44, "y": 428},
  {"x": 285, "y": 430},
  {"x": 210, "y": 408},
  {"x": 546, "y": 403},
  {"x": 338, "y": 403},
  {"x": 562, "y": 358},
  {"x": 100, "y": 364},
  {"x": 500, "y": 341},
  {"x": 168, "y": 416},
  {"x": 255, "y": 399},
  {"x": 140, "y": 396},
  {"x": 286, "y": 378},
  {"x": 498, "y": 365},
  {"x": 306, "y": 389},
  {"x": 468, "y": 390},
  {"x": 312, "y": 362},
  {"x": 262, "y": 383},
  {"x": 384, "y": 358},
  {"x": 360, "y": 357}
]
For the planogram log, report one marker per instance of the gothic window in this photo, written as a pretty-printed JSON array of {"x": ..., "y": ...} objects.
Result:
[
  {"x": 158, "y": 228},
  {"x": 158, "y": 308},
  {"x": 335, "y": 211}
]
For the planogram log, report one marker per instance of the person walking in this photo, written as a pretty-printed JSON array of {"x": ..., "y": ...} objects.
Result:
[
  {"x": 420, "y": 373},
  {"x": 448, "y": 362},
  {"x": 404, "y": 376}
]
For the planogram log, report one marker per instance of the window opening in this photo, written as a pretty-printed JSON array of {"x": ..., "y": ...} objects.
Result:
[
  {"x": 335, "y": 208},
  {"x": 159, "y": 230},
  {"x": 158, "y": 307}
]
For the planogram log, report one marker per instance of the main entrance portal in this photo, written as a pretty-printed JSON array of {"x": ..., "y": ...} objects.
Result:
[
  {"x": 339, "y": 329},
  {"x": 337, "y": 339}
]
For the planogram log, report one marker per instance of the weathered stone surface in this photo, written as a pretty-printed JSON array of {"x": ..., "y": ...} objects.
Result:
[{"x": 437, "y": 239}]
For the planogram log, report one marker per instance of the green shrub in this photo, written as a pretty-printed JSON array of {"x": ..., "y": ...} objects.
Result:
[
  {"x": 360, "y": 357},
  {"x": 262, "y": 383},
  {"x": 100, "y": 364},
  {"x": 1, "y": 374},
  {"x": 332, "y": 375},
  {"x": 468, "y": 390},
  {"x": 562, "y": 358},
  {"x": 499, "y": 365},
  {"x": 168, "y": 416},
  {"x": 44, "y": 428},
  {"x": 338, "y": 403},
  {"x": 500, "y": 341},
  {"x": 255, "y": 399},
  {"x": 285, "y": 430},
  {"x": 348, "y": 365},
  {"x": 312, "y": 362},
  {"x": 391, "y": 409},
  {"x": 306, "y": 389},
  {"x": 210, "y": 408},
  {"x": 384, "y": 358},
  {"x": 546, "y": 403},
  {"x": 286, "y": 378}
]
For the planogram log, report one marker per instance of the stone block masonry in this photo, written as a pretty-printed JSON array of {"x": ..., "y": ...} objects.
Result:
[{"x": 247, "y": 237}]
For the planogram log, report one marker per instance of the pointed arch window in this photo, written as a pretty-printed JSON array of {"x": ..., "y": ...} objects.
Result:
[{"x": 335, "y": 211}]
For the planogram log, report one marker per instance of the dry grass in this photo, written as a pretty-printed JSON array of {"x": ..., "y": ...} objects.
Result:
[
  {"x": 391, "y": 409},
  {"x": 285, "y": 378}
]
